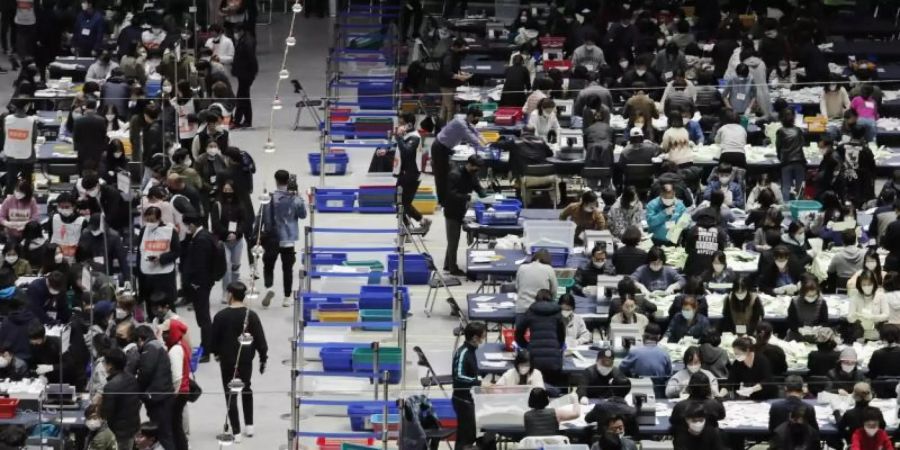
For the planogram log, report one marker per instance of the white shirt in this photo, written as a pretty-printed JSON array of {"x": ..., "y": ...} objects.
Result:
[
  {"x": 543, "y": 124},
  {"x": 224, "y": 49}
]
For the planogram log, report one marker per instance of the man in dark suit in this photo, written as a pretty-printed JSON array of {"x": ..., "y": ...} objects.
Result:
[
  {"x": 89, "y": 136},
  {"x": 197, "y": 277},
  {"x": 121, "y": 406},
  {"x": 781, "y": 410},
  {"x": 244, "y": 68}
]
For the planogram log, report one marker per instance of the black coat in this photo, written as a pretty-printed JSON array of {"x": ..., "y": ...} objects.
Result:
[
  {"x": 245, "y": 65},
  {"x": 121, "y": 406},
  {"x": 199, "y": 250},
  {"x": 820, "y": 362},
  {"x": 151, "y": 142},
  {"x": 712, "y": 408},
  {"x": 14, "y": 332},
  {"x": 784, "y": 439},
  {"x": 528, "y": 151},
  {"x": 853, "y": 419},
  {"x": 709, "y": 439},
  {"x": 627, "y": 259},
  {"x": 516, "y": 86},
  {"x": 595, "y": 385},
  {"x": 548, "y": 334},
  {"x": 154, "y": 372},
  {"x": 460, "y": 183},
  {"x": 780, "y": 412},
  {"x": 767, "y": 272},
  {"x": 89, "y": 136},
  {"x": 885, "y": 362}
]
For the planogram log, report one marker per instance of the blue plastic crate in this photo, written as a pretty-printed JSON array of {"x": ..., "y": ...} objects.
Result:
[
  {"x": 558, "y": 255},
  {"x": 375, "y": 95},
  {"x": 335, "y": 163},
  {"x": 382, "y": 297},
  {"x": 509, "y": 204},
  {"x": 377, "y": 209},
  {"x": 415, "y": 268},
  {"x": 335, "y": 200},
  {"x": 443, "y": 408},
  {"x": 393, "y": 370},
  {"x": 327, "y": 259},
  {"x": 337, "y": 359},
  {"x": 377, "y": 196},
  {"x": 360, "y": 415},
  {"x": 311, "y": 304}
]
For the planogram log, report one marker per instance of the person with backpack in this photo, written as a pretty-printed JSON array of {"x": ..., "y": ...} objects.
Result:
[
  {"x": 199, "y": 276},
  {"x": 280, "y": 232}
]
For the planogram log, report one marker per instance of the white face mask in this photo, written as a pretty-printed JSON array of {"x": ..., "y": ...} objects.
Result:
[
  {"x": 548, "y": 112},
  {"x": 598, "y": 264},
  {"x": 667, "y": 201},
  {"x": 213, "y": 151},
  {"x": 567, "y": 313},
  {"x": 871, "y": 265},
  {"x": 740, "y": 295},
  {"x": 524, "y": 370},
  {"x": 693, "y": 368},
  {"x": 156, "y": 30},
  {"x": 781, "y": 264},
  {"x": 660, "y": 42},
  {"x": 117, "y": 155},
  {"x": 811, "y": 298},
  {"x": 771, "y": 34},
  {"x": 724, "y": 180},
  {"x": 18, "y": 195},
  {"x": 93, "y": 192},
  {"x": 4, "y": 362},
  {"x": 97, "y": 232},
  {"x": 696, "y": 427},
  {"x": 868, "y": 289},
  {"x": 65, "y": 212},
  {"x": 58, "y": 258},
  {"x": 167, "y": 89},
  {"x": 800, "y": 238},
  {"x": 688, "y": 314},
  {"x": 121, "y": 313},
  {"x": 740, "y": 357},
  {"x": 623, "y": 64},
  {"x": 110, "y": 117},
  {"x": 656, "y": 266},
  {"x": 640, "y": 72},
  {"x": 11, "y": 259},
  {"x": 871, "y": 431},
  {"x": 717, "y": 267},
  {"x": 847, "y": 368},
  {"x": 604, "y": 370},
  {"x": 589, "y": 209},
  {"x": 629, "y": 309},
  {"x": 93, "y": 424},
  {"x": 132, "y": 104}
]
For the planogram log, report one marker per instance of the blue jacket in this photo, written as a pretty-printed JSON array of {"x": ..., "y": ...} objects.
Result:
[
  {"x": 49, "y": 309},
  {"x": 87, "y": 35},
  {"x": 288, "y": 209},
  {"x": 679, "y": 327},
  {"x": 647, "y": 361},
  {"x": 695, "y": 132},
  {"x": 657, "y": 281},
  {"x": 737, "y": 193},
  {"x": 657, "y": 217}
]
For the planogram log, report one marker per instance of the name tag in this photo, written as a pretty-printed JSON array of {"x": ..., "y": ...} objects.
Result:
[
  {"x": 99, "y": 260},
  {"x": 740, "y": 329},
  {"x": 85, "y": 31},
  {"x": 232, "y": 227},
  {"x": 192, "y": 9},
  {"x": 742, "y": 97},
  {"x": 668, "y": 75}
]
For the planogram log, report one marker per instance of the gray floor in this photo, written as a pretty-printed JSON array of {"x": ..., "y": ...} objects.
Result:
[{"x": 306, "y": 62}]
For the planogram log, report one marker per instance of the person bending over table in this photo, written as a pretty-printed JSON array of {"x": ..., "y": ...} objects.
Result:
[
  {"x": 779, "y": 272},
  {"x": 682, "y": 381},
  {"x": 544, "y": 121},
  {"x": 461, "y": 183},
  {"x": 662, "y": 214},
  {"x": 742, "y": 309},
  {"x": 656, "y": 276},
  {"x": 533, "y": 277},
  {"x": 626, "y": 212},
  {"x": 543, "y": 421},
  {"x": 548, "y": 335},
  {"x": 577, "y": 332},
  {"x": 603, "y": 380},
  {"x": 782, "y": 410},
  {"x": 856, "y": 417},
  {"x": 712, "y": 357},
  {"x": 629, "y": 257},
  {"x": 523, "y": 372},
  {"x": 465, "y": 376},
  {"x": 649, "y": 359},
  {"x": 586, "y": 275},
  {"x": 751, "y": 373},
  {"x": 807, "y": 309},
  {"x": 629, "y": 314},
  {"x": 797, "y": 433},
  {"x": 460, "y": 130},
  {"x": 586, "y": 214},
  {"x": 824, "y": 358},
  {"x": 699, "y": 395},
  {"x": 698, "y": 434},
  {"x": 687, "y": 322},
  {"x": 845, "y": 373}
]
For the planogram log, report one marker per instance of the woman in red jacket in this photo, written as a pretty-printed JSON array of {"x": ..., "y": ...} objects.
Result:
[
  {"x": 871, "y": 436},
  {"x": 174, "y": 334}
]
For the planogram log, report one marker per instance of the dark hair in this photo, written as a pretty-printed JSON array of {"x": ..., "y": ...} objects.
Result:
[
  {"x": 656, "y": 254},
  {"x": 151, "y": 110},
  {"x": 180, "y": 156},
  {"x": 698, "y": 385},
  {"x": 631, "y": 236},
  {"x": 542, "y": 256},
  {"x": 695, "y": 410},
  {"x": 282, "y": 177},
  {"x": 890, "y": 333},
  {"x": 36, "y": 330},
  {"x": 629, "y": 195},
  {"x": 781, "y": 252},
  {"x": 766, "y": 198},
  {"x": 652, "y": 332},
  {"x": 115, "y": 357},
  {"x": 588, "y": 197},
  {"x": 153, "y": 211},
  {"x": 567, "y": 299},
  {"x": 474, "y": 329},
  {"x": 144, "y": 333},
  {"x": 543, "y": 295},
  {"x": 538, "y": 399},
  {"x": 711, "y": 337},
  {"x": 793, "y": 383},
  {"x": 742, "y": 70},
  {"x": 238, "y": 290},
  {"x": 690, "y": 353},
  {"x": 57, "y": 280},
  {"x": 742, "y": 282},
  {"x": 872, "y": 414},
  {"x": 743, "y": 343}
]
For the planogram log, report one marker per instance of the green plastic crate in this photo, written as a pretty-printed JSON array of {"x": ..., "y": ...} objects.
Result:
[
  {"x": 801, "y": 209},
  {"x": 386, "y": 355},
  {"x": 373, "y": 265},
  {"x": 376, "y": 315}
]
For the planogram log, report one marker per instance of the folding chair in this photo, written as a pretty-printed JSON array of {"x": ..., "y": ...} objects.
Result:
[
  {"x": 435, "y": 283},
  {"x": 431, "y": 377},
  {"x": 65, "y": 172},
  {"x": 463, "y": 320},
  {"x": 641, "y": 177},
  {"x": 551, "y": 187},
  {"x": 598, "y": 177}
]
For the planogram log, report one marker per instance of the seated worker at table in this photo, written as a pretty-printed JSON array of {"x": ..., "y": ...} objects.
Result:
[
  {"x": 577, "y": 332},
  {"x": 460, "y": 184},
  {"x": 465, "y": 376},
  {"x": 603, "y": 379},
  {"x": 586, "y": 275},
  {"x": 712, "y": 357},
  {"x": 848, "y": 260},
  {"x": 698, "y": 434},
  {"x": 543, "y": 421},
  {"x": 868, "y": 307},
  {"x": 699, "y": 395},
  {"x": 779, "y": 272},
  {"x": 12, "y": 261},
  {"x": 795, "y": 241},
  {"x": 638, "y": 150},
  {"x": 781, "y": 410},
  {"x": 548, "y": 335},
  {"x": 885, "y": 362},
  {"x": 627, "y": 288},
  {"x": 845, "y": 373},
  {"x": 718, "y": 274},
  {"x": 807, "y": 309},
  {"x": 532, "y": 277},
  {"x": 629, "y": 257},
  {"x": 627, "y": 211},
  {"x": 742, "y": 309},
  {"x": 799, "y": 432},
  {"x": 773, "y": 353},
  {"x": 629, "y": 314},
  {"x": 680, "y": 383},
  {"x": 656, "y": 276},
  {"x": 544, "y": 121},
  {"x": 588, "y": 54},
  {"x": 649, "y": 359},
  {"x": 824, "y": 358},
  {"x": 522, "y": 373},
  {"x": 612, "y": 436},
  {"x": 662, "y": 214},
  {"x": 18, "y": 209},
  {"x": 750, "y": 374},
  {"x": 872, "y": 435},
  {"x": 687, "y": 322},
  {"x": 11, "y": 366},
  {"x": 855, "y": 418},
  {"x": 728, "y": 184},
  {"x": 586, "y": 214}
]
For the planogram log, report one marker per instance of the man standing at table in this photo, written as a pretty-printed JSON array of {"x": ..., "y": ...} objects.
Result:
[
  {"x": 19, "y": 136},
  {"x": 89, "y": 136},
  {"x": 465, "y": 376},
  {"x": 461, "y": 183},
  {"x": 457, "y": 131},
  {"x": 450, "y": 77}
]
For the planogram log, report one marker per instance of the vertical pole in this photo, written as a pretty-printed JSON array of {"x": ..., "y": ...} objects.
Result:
[
  {"x": 385, "y": 431},
  {"x": 398, "y": 315},
  {"x": 375, "y": 374}
]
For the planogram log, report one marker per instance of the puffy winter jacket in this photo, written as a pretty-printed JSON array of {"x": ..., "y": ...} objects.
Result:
[{"x": 548, "y": 334}]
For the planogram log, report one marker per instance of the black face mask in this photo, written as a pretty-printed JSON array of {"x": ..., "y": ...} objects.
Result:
[{"x": 122, "y": 342}]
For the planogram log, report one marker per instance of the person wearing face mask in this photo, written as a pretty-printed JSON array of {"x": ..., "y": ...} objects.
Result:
[
  {"x": 11, "y": 366},
  {"x": 669, "y": 61},
  {"x": 751, "y": 373},
  {"x": 230, "y": 223},
  {"x": 835, "y": 101},
  {"x": 740, "y": 92},
  {"x": 89, "y": 29},
  {"x": 101, "y": 248},
  {"x": 656, "y": 276},
  {"x": 543, "y": 319},
  {"x": 577, "y": 332},
  {"x": 795, "y": 241},
  {"x": 649, "y": 359},
  {"x": 683, "y": 381},
  {"x": 872, "y": 435},
  {"x": 699, "y": 395},
  {"x": 158, "y": 251},
  {"x": 34, "y": 244},
  {"x": 629, "y": 314},
  {"x": 742, "y": 309},
  {"x": 544, "y": 121},
  {"x": 727, "y": 182},
  {"x": 457, "y": 131},
  {"x": 450, "y": 77},
  {"x": 868, "y": 307},
  {"x": 212, "y": 166},
  {"x": 465, "y": 376},
  {"x": 719, "y": 277},
  {"x": 19, "y": 138},
  {"x": 221, "y": 45},
  {"x": 406, "y": 167},
  {"x": 799, "y": 432},
  {"x": 846, "y": 373},
  {"x": 173, "y": 333},
  {"x": 155, "y": 37},
  {"x": 11, "y": 260},
  {"x": 586, "y": 214},
  {"x": 113, "y": 124},
  {"x": 823, "y": 359},
  {"x": 245, "y": 69},
  {"x": 18, "y": 209},
  {"x": 182, "y": 165},
  {"x": 46, "y": 298},
  {"x": 460, "y": 184},
  {"x": 99, "y": 436},
  {"x": 586, "y": 276},
  {"x": 781, "y": 76},
  {"x": 885, "y": 362},
  {"x": 688, "y": 322},
  {"x": 697, "y": 433},
  {"x": 702, "y": 241},
  {"x": 783, "y": 410},
  {"x": 807, "y": 309},
  {"x": 211, "y": 133},
  {"x": 121, "y": 404},
  {"x": 101, "y": 198},
  {"x": 101, "y": 69},
  {"x": 517, "y": 81},
  {"x": 612, "y": 436},
  {"x": 602, "y": 380},
  {"x": 522, "y": 373},
  {"x": 89, "y": 135},
  {"x": 662, "y": 214},
  {"x": 123, "y": 335},
  {"x": 162, "y": 309},
  {"x": 855, "y": 418}
]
